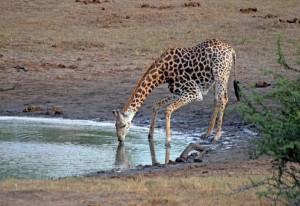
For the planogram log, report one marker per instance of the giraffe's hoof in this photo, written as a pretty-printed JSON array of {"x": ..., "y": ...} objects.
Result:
[
  {"x": 156, "y": 164},
  {"x": 217, "y": 138},
  {"x": 213, "y": 139},
  {"x": 205, "y": 136}
]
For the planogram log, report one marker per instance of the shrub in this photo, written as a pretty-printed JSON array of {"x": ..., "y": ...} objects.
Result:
[{"x": 277, "y": 116}]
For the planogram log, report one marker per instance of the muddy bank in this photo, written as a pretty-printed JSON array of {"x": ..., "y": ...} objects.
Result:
[{"x": 232, "y": 155}]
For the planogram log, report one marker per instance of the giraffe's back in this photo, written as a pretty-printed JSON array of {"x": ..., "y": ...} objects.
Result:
[{"x": 197, "y": 64}]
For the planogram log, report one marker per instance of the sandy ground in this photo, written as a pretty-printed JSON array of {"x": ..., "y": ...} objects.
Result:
[{"x": 80, "y": 61}]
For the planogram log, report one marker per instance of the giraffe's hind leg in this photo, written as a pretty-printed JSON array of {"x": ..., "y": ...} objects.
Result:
[
  {"x": 220, "y": 103},
  {"x": 213, "y": 121},
  {"x": 220, "y": 111}
]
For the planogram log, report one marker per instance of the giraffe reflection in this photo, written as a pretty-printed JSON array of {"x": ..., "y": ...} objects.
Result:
[{"x": 123, "y": 159}]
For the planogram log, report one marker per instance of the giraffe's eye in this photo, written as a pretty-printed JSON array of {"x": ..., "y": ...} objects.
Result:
[{"x": 122, "y": 126}]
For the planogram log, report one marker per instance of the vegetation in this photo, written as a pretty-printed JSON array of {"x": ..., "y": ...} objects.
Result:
[
  {"x": 277, "y": 115},
  {"x": 138, "y": 190}
]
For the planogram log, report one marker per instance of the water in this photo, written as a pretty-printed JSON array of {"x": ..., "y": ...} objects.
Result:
[{"x": 40, "y": 148}]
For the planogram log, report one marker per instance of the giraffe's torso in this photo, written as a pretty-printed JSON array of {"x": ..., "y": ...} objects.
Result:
[{"x": 198, "y": 64}]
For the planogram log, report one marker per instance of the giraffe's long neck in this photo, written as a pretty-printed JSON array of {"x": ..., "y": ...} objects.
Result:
[{"x": 153, "y": 77}]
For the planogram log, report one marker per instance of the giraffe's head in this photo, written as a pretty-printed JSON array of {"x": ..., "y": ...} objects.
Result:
[{"x": 123, "y": 123}]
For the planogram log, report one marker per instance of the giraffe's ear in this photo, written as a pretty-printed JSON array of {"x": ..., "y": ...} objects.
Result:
[
  {"x": 118, "y": 114},
  {"x": 115, "y": 113}
]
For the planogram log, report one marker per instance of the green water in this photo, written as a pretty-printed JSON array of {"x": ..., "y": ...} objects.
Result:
[{"x": 40, "y": 148}]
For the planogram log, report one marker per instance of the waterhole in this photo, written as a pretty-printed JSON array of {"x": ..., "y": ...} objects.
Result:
[{"x": 42, "y": 148}]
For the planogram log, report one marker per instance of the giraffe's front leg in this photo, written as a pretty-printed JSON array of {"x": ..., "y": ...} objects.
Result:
[
  {"x": 168, "y": 127},
  {"x": 157, "y": 106},
  {"x": 153, "y": 122},
  {"x": 152, "y": 151},
  {"x": 168, "y": 154},
  {"x": 168, "y": 134}
]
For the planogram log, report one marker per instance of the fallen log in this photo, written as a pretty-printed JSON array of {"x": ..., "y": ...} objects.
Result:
[{"x": 192, "y": 146}]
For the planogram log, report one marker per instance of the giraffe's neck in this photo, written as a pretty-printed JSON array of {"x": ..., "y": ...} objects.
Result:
[{"x": 150, "y": 80}]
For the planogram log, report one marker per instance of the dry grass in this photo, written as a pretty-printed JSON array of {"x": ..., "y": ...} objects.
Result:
[
  {"x": 142, "y": 191},
  {"x": 124, "y": 34},
  {"x": 125, "y": 25}
]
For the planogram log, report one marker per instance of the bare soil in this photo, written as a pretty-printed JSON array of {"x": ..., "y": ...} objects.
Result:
[{"x": 82, "y": 59}]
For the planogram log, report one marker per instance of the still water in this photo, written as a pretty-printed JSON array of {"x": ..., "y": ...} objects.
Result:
[{"x": 42, "y": 148}]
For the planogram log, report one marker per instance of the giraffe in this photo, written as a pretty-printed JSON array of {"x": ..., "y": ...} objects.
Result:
[{"x": 189, "y": 73}]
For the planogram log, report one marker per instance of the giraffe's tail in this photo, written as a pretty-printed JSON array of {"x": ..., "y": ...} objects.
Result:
[{"x": 236, "y": 83}]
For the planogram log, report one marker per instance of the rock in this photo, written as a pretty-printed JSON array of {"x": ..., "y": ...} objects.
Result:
[
  {"x": 197, "y": 160},
  {"x": 270, "y": 16},
  {"x": 89, "y": 1},
  {"x": 180, "y": 159},
  {"x": 248, "y": 10},
  {"x": 54, "y": 111},
  {"x": 291, "y": 21},
  {"x": 261, "y": 84},
  {"x": 61, "y": 66},
  {"x": 145, "y": 6},
  {"x": 156, "y": 7},
  {"x": 192, "y": 4},
  {"x": 21, "y": 68},
  {"x": 33, "y": 109}
]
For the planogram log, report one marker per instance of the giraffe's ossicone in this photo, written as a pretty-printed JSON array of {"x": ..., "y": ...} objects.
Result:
[{"x": 189, "y": 73}]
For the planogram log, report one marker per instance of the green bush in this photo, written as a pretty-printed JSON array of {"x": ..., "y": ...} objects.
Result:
[{"x": 277, "y": 116}]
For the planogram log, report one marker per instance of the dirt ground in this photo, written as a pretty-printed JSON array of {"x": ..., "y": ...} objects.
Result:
[{"x": 82, "y": 59}]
